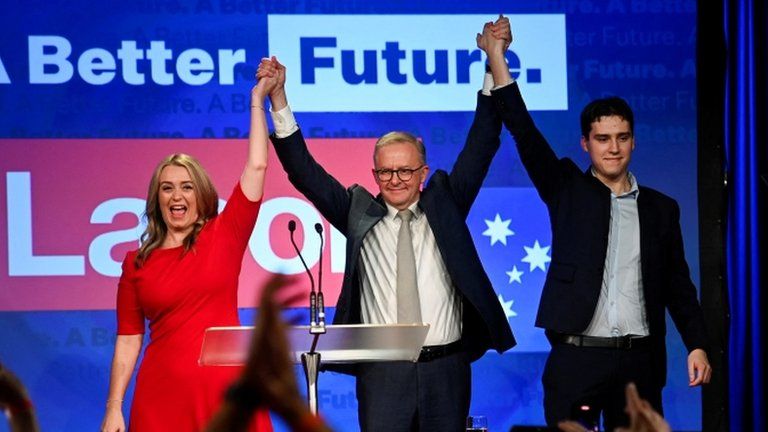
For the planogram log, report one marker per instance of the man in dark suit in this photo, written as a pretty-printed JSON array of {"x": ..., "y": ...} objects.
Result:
[
  {"x": 410, "y": 258},
  {"x": 617, "y": 265}
]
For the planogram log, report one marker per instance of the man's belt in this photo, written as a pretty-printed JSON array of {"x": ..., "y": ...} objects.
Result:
[
  {"x": 620, "y": 342},
  {"x": 432, "y": 352}
]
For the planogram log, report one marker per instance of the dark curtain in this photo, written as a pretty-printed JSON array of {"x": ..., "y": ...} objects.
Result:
[
  {"x": 746, "y": 122},
  {"x": 712, "y": 203}
]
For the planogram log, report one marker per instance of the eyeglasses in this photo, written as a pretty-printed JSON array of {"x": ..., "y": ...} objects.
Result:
[{"x": 404, "y": 174}]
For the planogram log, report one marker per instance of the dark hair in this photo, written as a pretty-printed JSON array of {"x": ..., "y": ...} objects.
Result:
[{"x": 606, "y": 107}]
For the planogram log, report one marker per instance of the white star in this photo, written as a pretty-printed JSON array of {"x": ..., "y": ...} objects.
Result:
[
  {"x": 536, "y": 256},
  {"x": 507, "y": 306},
  {"x": 514, "y": 275},
  {"x": 498, "y": 230}
]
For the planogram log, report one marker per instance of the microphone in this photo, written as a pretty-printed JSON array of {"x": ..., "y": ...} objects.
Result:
[
  {"x": 320, "y": 301},
  {"x": 312, "y": 294}
]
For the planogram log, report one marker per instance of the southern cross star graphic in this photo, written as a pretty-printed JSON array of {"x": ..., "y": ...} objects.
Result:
[
  {"x": 507, "y": 306},
  {"x": 517, "y": 218},
  {"x": 536, "y": 256},
  {"x": 514, "y": 275},
  {"x": 498, "y": 230}
]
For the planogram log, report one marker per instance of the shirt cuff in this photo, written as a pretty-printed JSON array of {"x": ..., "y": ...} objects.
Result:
[
  {"x": 284, "y": 121},
  {"x": 487, "y": 84},
  {"x": 511, "y": 80}
]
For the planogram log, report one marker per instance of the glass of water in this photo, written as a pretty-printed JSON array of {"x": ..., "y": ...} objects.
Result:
[{"x": 477, "y": 424}]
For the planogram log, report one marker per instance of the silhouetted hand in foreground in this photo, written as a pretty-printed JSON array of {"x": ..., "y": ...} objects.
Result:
[
  {"x": 642, "y": 416},
  {"x": 15, "y": 402},
  {"x": 268, "y": 380}
]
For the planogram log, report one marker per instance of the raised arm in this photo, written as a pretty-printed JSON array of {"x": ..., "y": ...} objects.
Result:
[
  {"x": 494, "y": 41},
  {"x": 483, "y": 141},
  {"x": 540, "y": 161},
  {"x": 252, "y": 179},
  {"x": 305, "y": 174},
  {"x": 277, "y": 96}
]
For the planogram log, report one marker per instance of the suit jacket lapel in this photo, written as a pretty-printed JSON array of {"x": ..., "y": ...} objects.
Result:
[
  {"x": 364, "y": 214},
  {"x": 645, "y": 216}
]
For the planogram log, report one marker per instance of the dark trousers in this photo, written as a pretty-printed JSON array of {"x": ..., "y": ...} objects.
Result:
[
  {"x": 406, "y": 396},
  {"x": 596, "y": 377}
]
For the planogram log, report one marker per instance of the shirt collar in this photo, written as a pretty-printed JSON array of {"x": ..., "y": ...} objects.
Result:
[
  {"x": 392, "y": 212},
  {"x": 633, "y": 191}
]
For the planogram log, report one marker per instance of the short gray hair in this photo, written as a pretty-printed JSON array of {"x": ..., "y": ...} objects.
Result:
[{"x": 401, "y": 137}]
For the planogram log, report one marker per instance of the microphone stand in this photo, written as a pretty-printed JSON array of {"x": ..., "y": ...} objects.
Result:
[
  {"x": 310, "y": 361},
  {"x": 312, "y": 294},
  {"x": 320, "y": 302}
]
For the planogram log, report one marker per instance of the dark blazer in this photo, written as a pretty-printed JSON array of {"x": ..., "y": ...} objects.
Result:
[
  {"x": 445, "y": 200},
  {"x": 579, "y": 208}
]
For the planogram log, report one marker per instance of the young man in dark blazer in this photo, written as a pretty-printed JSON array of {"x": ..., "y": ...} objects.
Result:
[
  {"x": 449, "y": 288},
  {"x": 617, "y": 265}
]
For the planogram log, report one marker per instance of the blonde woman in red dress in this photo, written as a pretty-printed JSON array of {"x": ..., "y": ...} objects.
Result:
[{"x": 182, "y": 280}]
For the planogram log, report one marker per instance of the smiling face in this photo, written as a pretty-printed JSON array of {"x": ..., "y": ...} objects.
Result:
[
  {"x": 610, "y": 144},
  {"x": 395, "y": 156},
  {"x": 177, "y": 199}
]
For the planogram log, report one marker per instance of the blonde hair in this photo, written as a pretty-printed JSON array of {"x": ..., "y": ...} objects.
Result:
[
  {"x": 207, "y": 205},
  {"x": 400, "y": 137}
]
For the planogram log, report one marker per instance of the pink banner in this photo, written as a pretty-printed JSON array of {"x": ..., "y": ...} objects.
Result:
[{"x": 70, "y": 210}]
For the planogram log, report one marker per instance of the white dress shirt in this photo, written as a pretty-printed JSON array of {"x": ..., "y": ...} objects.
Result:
[
  {"x": 440, "y": 303},
  {"x": 620, "y": 308}
]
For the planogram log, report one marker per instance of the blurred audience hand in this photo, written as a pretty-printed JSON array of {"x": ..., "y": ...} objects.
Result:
[
  {"x": 642, "y": 417},
  {"x": 15, "y": 402},
  {"x": 268, "y": 380}
]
